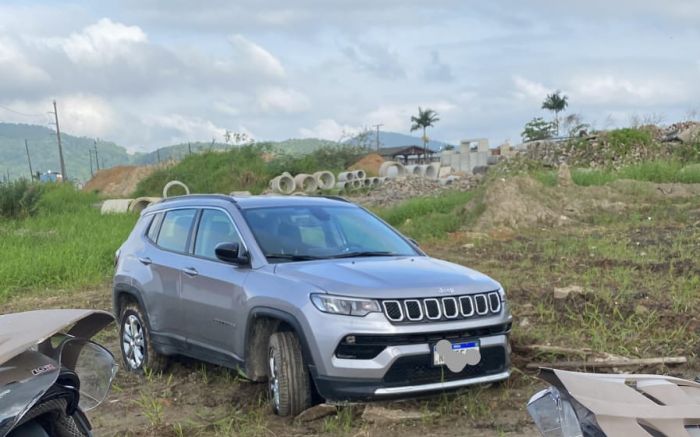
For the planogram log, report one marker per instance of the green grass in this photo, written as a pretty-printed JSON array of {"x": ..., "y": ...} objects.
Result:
[
  {"x": 648, "y": 171},
  {"x": 428, "y": 218},
  {"x": 67, "y": 244}
]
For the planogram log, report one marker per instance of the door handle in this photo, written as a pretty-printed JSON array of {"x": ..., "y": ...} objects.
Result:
[
  {"x": 145, "y": 260},
  {"x": 190, "y": 271}
]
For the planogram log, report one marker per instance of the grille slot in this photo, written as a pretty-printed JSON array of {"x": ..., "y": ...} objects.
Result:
[
  {"x": 432, "y": 309},
  {"x": 392, "y": 309},
  {"x": 414, "y": 312},
  {"x": 482, "y": 305},
  {"x": 444, "y": 308},
  {"x": 494, "y": 302},
  {"x": 466, "y": 306},
  {"x": 449, "y": 307}
]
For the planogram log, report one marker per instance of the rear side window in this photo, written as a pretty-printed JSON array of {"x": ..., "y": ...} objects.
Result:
[
  {"x": 155, "y": 225},
  {"x": 215, "y": 228},
  {"x": 175, "y": 229}
]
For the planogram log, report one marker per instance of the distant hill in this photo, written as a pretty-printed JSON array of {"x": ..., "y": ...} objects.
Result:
[
  {"x": 395, "y": 139},
  {"x": 43, "y": 150}
]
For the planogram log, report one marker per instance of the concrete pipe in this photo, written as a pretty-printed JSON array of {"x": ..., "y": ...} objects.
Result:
[
  {"x": 342, "y": 185},
  {"x": 432, "y": 171},
  {"x": 381, "y": 180},
  {"x": 305, "y": 182},
  {"x": 324, "y": 179},
  {"x": 375, "y": 182},
  {"x": 346, "y": 176},
  {"x": 356, "y": 183},
  {"x": 366, "y": 182},
  {"x": 141, "y": 203},
  {"x": 283, "y": 184},
  {"x": 415, "y": 170},
  {"x": 360, "y": 174},
  {"x": 392, "y": 169},
  {"x": 115, "y": 206},
  {"x": 171, "y": 184},
  {"x": 299, "y": 193}
]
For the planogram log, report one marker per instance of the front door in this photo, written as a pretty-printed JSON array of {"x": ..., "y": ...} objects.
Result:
[{"x": 212, "y": 291}]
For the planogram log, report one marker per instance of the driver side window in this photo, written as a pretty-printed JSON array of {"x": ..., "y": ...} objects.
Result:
[{"x": 215, "y": 227}]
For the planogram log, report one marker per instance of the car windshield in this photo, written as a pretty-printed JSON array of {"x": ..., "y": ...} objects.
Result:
[{"x": 321, "y": 232}]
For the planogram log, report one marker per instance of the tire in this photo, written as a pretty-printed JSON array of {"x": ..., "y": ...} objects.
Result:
[
  {"x": 289, "y": 387},
  {"x": 135, "y": 336}
]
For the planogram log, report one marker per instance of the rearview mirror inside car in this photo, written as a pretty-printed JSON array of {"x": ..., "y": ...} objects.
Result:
[{"x": 230, "y": 253}]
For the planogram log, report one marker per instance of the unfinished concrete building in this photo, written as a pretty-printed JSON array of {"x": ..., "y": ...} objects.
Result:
[{"x": 473, "y": 152}]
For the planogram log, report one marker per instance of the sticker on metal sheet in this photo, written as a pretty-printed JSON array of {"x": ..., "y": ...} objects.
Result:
[{"x": 456, "y": 355}]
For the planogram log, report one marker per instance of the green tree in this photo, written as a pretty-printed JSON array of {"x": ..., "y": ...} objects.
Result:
[
  {"x": 538, "y": 129},
  {"x": 556, "y": 102},
  {"x": 424, "y": 120}
]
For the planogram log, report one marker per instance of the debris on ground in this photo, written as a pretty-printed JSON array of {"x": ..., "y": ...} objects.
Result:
[
  {"x": 564, "y": 292},
  {"x": 316, "y": 412},
  {"x": 119, "y": 181},
  {"x": 609, "y": 363},
  {"x": 394, "y": 191}
]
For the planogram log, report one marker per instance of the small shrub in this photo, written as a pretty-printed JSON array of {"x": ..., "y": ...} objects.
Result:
[
  {"x": 19, "y": 199},
  {"x": 64, "y": 198},
  {"x": 622, "y": 141}
]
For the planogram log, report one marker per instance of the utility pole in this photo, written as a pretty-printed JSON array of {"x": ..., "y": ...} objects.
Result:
[
  {"x": 60, "y": 148},
  {"x": 97, "y": 160},
  {"x": 92, "y": 172},
  {"x": 158, "y": 155},
  {"x": 189, "y": 148},
  {"x": 29, "y": 160},
  {"x": 377, "y": 126}
]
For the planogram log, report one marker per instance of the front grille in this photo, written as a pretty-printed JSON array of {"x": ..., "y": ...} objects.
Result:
[
  {"x": 366, "y": 347},
  {"x": 419, "y": 369},
  {"x": 442, "y": 308}
]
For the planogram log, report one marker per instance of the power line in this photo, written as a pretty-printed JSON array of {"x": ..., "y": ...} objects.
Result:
[{"x": 21, "y": 113}]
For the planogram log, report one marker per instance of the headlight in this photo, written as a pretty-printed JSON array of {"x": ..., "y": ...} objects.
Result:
[
  {"x": 553, "y": 415},
  {"x": 502, "y": 294},
  {"x": 345, "y": 305}
]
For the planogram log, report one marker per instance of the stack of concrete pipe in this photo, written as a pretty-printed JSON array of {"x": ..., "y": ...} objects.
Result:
[
  {"x": 122, "y": 206},
  {"x": 392, "y": 170},
  {"x": 283, "y": 184}
]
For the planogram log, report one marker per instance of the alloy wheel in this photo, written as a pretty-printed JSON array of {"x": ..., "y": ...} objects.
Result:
[{"x": 133, "y": 342}]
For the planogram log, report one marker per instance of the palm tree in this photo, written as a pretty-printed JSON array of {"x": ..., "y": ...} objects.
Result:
[
  {"x": 556, "y": 102},
  {"x": 424, "y": 120}
]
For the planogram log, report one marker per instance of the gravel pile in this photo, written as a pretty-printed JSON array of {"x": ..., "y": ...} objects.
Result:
[{"x": 394, "y": 191}]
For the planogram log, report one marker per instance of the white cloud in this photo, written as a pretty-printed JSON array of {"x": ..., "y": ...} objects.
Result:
[
  {"x": 276, "y": 99},
  {"x": 526, "y": 89},
  {"x": 183, "y": 128},
  {"x": 102, "y": 43},
  {"x": 15, "y": 69},
  {"x": 609, "y": 89},
  {"x": 86, "y": 115},
  {"x": 257, "y": 57},
  {"x": 329, "y": 129}
]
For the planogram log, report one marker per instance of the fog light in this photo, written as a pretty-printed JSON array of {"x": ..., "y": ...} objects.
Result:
[{"x": 350, "y": 339}]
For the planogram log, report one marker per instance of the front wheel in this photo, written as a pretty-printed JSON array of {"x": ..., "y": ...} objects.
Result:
[
  {"x": 135, "y": 341},
  {"x": 288, "y": 379}
]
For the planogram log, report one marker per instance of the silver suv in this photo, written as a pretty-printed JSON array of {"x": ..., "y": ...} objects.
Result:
[{"x": 315, "y": 295}]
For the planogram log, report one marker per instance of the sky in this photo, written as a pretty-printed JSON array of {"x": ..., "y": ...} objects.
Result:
[{"x": 149, "y": 73}]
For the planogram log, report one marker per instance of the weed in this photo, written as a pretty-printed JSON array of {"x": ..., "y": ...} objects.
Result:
[
  {"x": 339, "y": 424},
  {"x": 152, "y": 408}
]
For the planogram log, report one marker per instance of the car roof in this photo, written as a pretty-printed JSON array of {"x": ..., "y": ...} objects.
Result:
[{"x": 249, "y": 202}]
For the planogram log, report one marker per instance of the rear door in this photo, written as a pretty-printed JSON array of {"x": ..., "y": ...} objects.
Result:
[
  {"x": 212, "y": 291},
  {"x": 165, "y": 256}
]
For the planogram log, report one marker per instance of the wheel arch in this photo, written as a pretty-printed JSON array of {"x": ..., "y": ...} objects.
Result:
[
  {"x": 124, "y": 293},
  {"x": 261, "y": 323}
]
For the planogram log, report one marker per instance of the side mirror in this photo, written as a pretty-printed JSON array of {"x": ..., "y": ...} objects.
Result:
[{"x": 230, "y": 253}]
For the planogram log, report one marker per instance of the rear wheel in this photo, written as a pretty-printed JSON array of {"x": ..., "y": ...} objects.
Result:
[
  {"x": 288, "y": 378},
  {"x": 135, "y": 341}
]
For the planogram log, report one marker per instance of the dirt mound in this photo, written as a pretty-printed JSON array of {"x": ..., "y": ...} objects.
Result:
[
  {"x": 521, "y": 201},
  {"x": 118, "y": 181},
  {"x": 369, "y": 163}
]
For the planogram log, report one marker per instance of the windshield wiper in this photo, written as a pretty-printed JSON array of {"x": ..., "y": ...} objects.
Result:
[
  {"x": 365, "y": 253},
  {"x": 291, "y": 257}
]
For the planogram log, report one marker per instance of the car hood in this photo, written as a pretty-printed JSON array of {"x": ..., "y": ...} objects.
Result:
[{"x": 388, "y": 277}]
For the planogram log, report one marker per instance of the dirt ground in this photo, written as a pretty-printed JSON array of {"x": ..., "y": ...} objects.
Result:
[
  {"x": 631, "y": 249},
  {"x": 119, "y": 181}
]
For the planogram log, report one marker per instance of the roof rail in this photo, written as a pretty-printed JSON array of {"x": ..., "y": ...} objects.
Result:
[
  {"x": 200, "y": 196},
  {"x": 338, "y": 198}
]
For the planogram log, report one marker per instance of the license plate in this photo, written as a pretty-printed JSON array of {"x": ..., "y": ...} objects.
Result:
[{"x": 460, "y": 347}]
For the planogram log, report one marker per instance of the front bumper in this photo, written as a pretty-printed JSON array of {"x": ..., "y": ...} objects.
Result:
[{"x": 406, "y": 370}]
